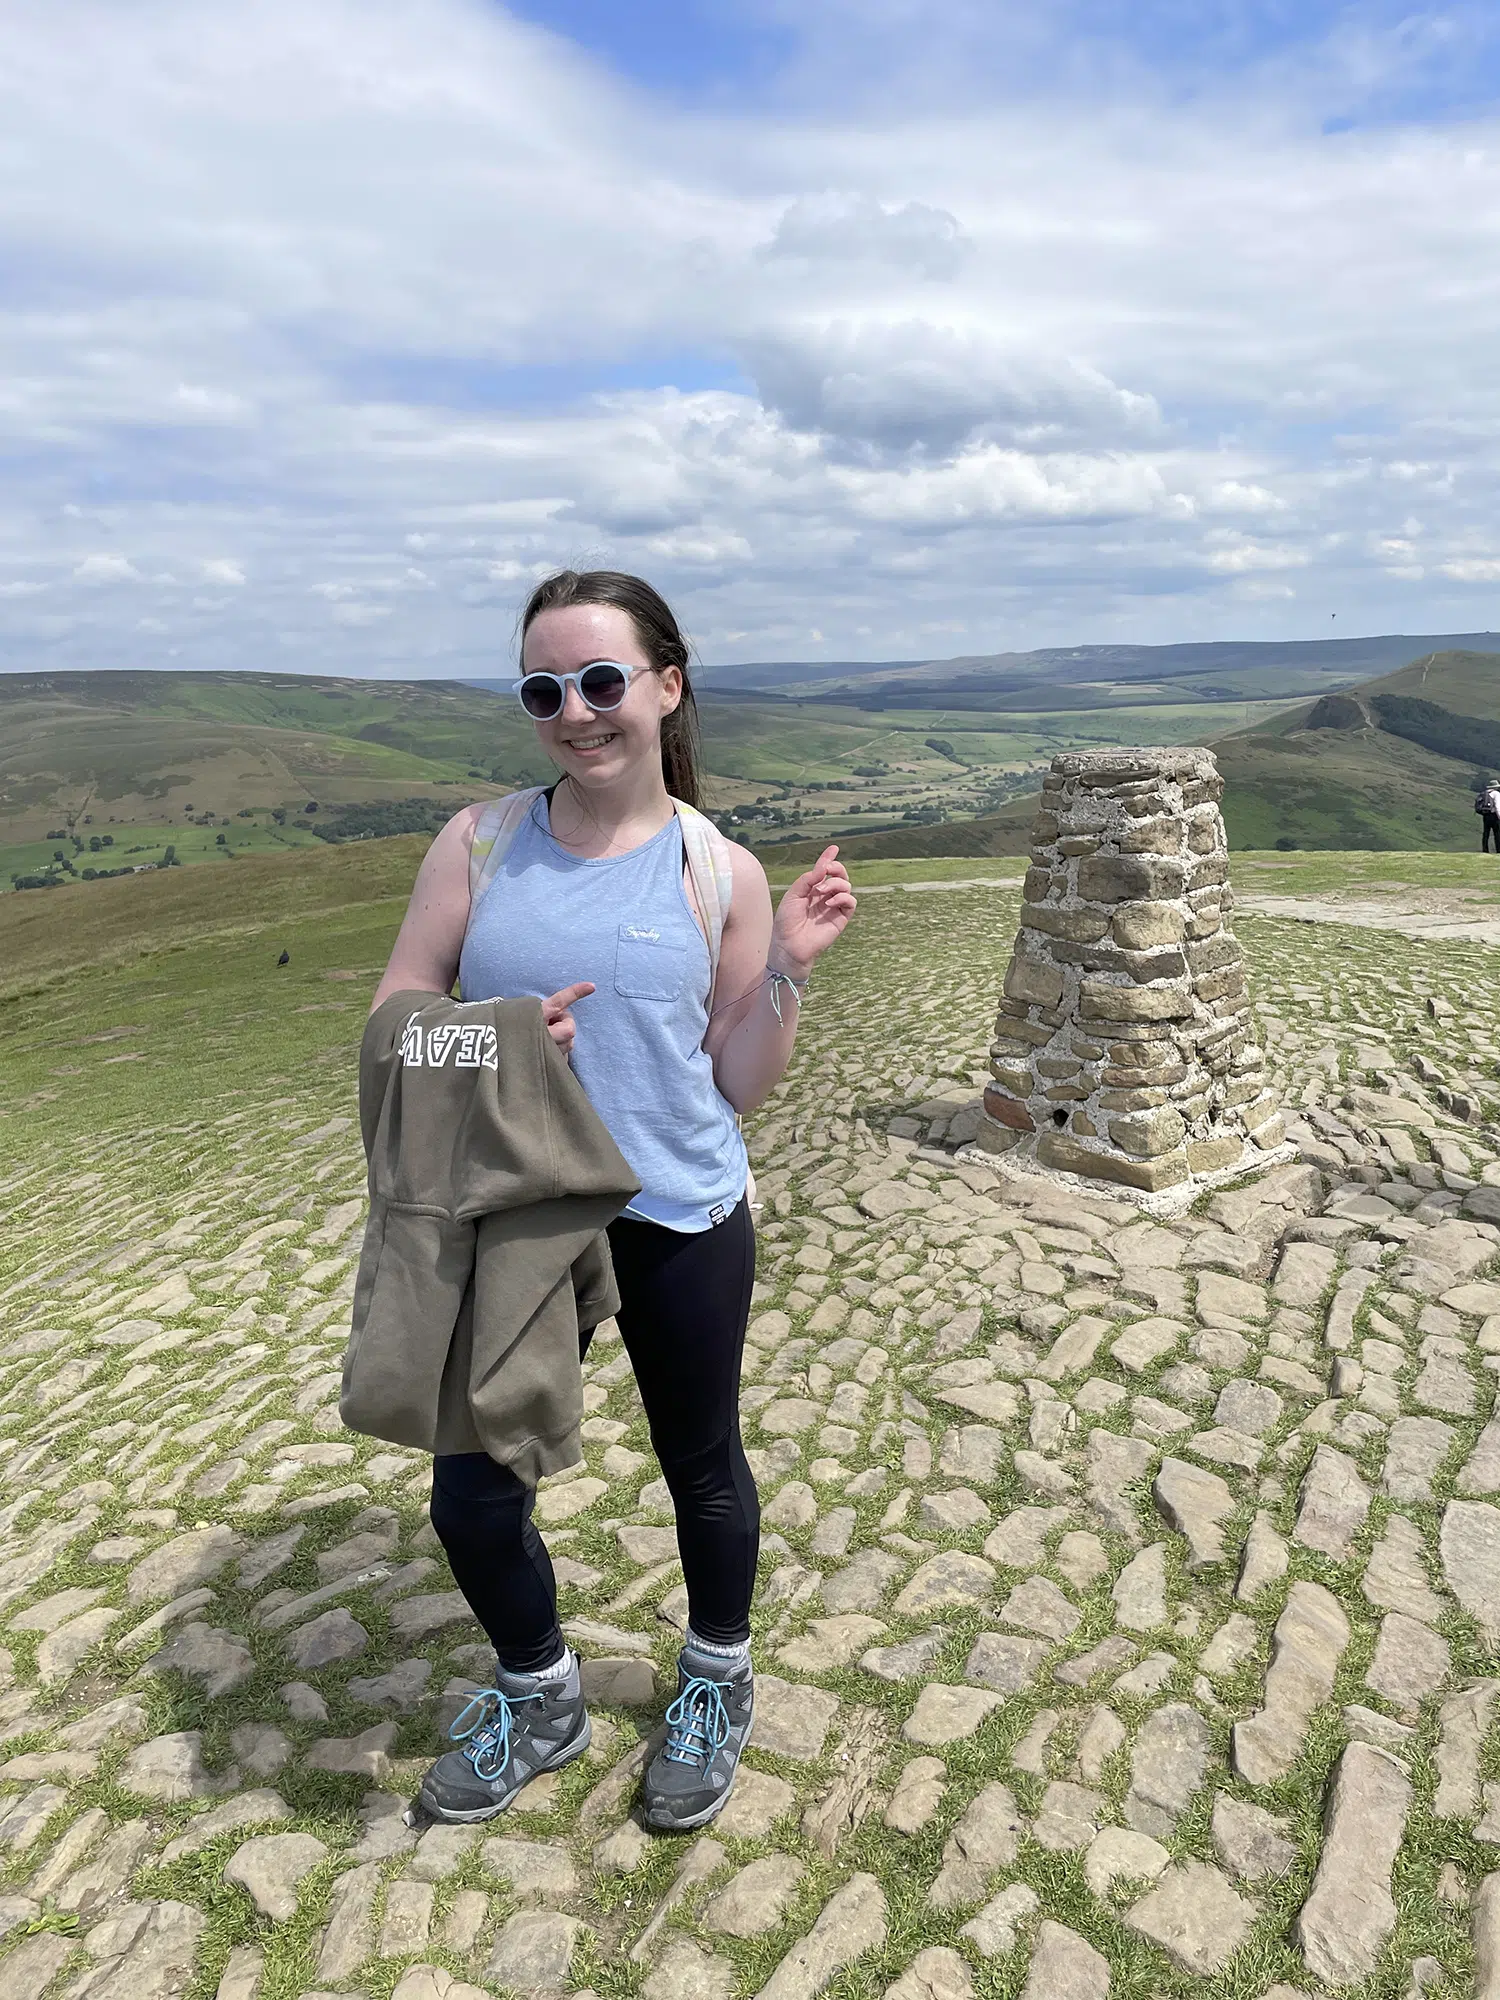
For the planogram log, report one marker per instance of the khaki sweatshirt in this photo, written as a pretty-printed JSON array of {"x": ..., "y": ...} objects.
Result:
[{"x": 492, "y": 1180}]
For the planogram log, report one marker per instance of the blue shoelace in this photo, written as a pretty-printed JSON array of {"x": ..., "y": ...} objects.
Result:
[
  {"x": 487, "y": 1737},
  {"x": 697, "y": 1723}
]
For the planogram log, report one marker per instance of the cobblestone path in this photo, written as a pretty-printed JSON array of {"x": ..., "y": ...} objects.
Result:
[{"x": 1130, "y": 1599}]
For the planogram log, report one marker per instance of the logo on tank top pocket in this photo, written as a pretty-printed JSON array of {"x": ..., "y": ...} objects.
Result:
[{"x": 646, "y": 966}]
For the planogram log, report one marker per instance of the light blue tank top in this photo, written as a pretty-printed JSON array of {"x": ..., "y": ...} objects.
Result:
[{"x": 550, "y": 919}]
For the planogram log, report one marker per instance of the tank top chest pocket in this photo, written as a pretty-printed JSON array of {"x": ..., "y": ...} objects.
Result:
[{"x": 647, "y": 965}]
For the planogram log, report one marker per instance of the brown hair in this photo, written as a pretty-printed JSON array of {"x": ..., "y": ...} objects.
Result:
[{"x": 661, "y": 640}]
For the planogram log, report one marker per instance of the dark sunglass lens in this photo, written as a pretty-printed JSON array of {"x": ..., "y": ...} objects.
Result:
[
  {"x": 602, "y": 686},
  {"x": 541, "y": 696}
]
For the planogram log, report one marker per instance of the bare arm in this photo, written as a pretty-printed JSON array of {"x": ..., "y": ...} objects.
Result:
[
  {"x": 424, "y": 958},
  {"x": 749, "y": 1045}
]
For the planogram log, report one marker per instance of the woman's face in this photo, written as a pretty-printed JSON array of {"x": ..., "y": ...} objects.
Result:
[{"x": 598, "y": 748}]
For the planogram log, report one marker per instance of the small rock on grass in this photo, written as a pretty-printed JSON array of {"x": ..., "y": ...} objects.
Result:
[
  {"x": 218, "y": 1661},
  {"x": 622, "y": 1851},
  {"x": 938, "y": 1973},
  {"x": 1469, "y": 1540},
  {"x": 1001, "y": 1660},
  {"x": 944, "y": 1582},
  {"x": 686, "y": 1971},
  {"x": 1410, "y": 1663},
  {"x": 995, "y": 1928},
  {"x": 918, "y": 1794},
  {"x": 242, "y": 1975},
  {"x": 791, "y": 1719},
  {"x": 1167, "y": 1765},
  {"x": 367, "y": 1755},
  {"x": 431, "y": 1982},
  {"x": 984, "y": 1840},
  {"x": 1196, "y": 1504},
  {"x": 327, "y": 1640},
  {"x": 945, "y": 1714},
  {"x": 1263, "y": 1562},
  {"x": 755, "y": 1900},
  {"x": 1349, "y": 1914},
  {"x": 35, "y": 1962},
  {"x": 1117, "y": 1853},
  {"x": 852, "y": 1922},
  {"x": 1335, "y": 1501},
  {"x": 533, "y": 1952},
  {"x": 1485, "y": 1917},
  {"x": 247, "y": 1809},
  {"x": 270, "y": 1866},
  {"x": 756, "y": 1802},
  {"x": 908, "y": 1659},
  {"x": 1195, "y": 1916},
  {"x": 169, "y": 1768},
  {"x": 1065, "y": 1966},
  {"x": 536, "y": 1870},
  {"x": 1250, "y": 1843}
]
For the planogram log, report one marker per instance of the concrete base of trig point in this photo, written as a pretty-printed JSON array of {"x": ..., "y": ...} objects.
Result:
[{"x": 1125, "y": 1054}]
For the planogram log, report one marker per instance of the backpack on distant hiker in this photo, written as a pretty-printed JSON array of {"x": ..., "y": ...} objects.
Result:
[{"x": 706, "y": 850}]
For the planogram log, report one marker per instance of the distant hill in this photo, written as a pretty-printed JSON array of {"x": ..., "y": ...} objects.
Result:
[
  {"x": 1391, "y": 763},
  {"x": 1227, "y": 669}
]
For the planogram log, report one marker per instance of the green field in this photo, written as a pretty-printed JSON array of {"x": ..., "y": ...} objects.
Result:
[{"x": 1333, "y": 774}]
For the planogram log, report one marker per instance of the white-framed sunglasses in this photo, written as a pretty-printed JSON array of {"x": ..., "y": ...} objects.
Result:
[{"x": 601, "y": 685}]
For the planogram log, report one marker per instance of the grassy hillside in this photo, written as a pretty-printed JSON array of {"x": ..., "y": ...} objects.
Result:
[
  {"x": 1391, "y": 764},
  {"x": 223, "y": 765},
  {"x": 1343, "y": 772}
]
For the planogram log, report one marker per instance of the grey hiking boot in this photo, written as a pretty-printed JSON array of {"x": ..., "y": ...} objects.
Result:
[
  {"x": 510, "y": 1733},
  {"x": 708, "y": 1725}
]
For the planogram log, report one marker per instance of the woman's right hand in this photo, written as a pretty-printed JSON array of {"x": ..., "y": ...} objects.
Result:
[{"x": 557, "y": 1012}]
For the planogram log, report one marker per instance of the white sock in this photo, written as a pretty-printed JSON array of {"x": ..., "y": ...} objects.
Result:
[
  {"x": 557, "y": 1671},
  {"x": 733, "y": 1654}
]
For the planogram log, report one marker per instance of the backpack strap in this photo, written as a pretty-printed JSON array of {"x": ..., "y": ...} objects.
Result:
[
  {"x": 494, "y": 835},
  {"x": 709, "y": 864}
]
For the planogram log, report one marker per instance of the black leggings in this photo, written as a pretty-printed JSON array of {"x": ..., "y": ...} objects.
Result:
[
  {"x": 684, "y": 1303},
  {"x": 1490, "y": 828}
]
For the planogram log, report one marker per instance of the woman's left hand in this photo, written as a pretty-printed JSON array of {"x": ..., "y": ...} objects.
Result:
[{"x": 811, "y": 915}]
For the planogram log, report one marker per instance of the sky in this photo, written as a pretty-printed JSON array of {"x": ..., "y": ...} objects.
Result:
[{"x": 865, "y": 329}]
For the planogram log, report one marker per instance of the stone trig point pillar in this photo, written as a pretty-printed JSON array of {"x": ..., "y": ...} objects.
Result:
[{"x": 1124, "y": 1049}]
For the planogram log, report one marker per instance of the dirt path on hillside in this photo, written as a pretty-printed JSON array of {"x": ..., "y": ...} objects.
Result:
[
  {"x": 1414, "y": 913},
  {"x": 1379, "y": 906}
]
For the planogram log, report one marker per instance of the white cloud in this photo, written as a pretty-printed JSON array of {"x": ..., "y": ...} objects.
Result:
[
  {"x": 1236, "y": 554},
  {"x": 350, "y": 288},
  {"x": 107, "y": 569},
  {"x": 916, "y": 383},
  {"x": 855, "y": 228},
  {"x": 713, "y": 551}
]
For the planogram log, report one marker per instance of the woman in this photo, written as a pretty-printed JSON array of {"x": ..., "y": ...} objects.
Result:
[{"x": 591, "y": 910}]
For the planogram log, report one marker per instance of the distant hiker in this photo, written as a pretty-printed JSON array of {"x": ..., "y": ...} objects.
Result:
[
  {"x": 613, "y": 901},
  {"x": 1487, "y": 804}
]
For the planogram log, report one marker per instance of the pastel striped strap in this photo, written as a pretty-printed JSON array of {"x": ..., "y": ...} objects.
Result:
[{"x": 494, "y": 834}]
